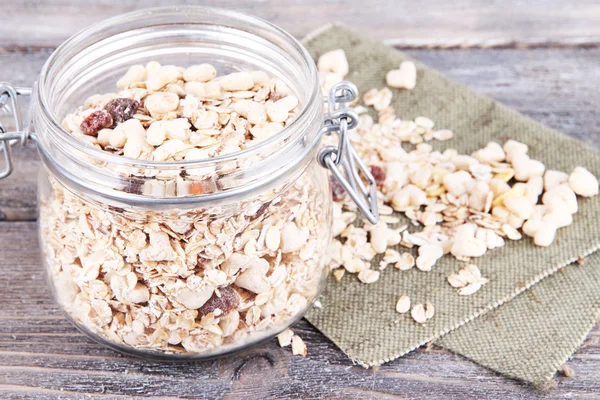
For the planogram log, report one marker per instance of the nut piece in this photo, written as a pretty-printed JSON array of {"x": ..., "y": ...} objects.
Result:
[
  {"x": 135, "y": 74},
  {"x": 285, "y": 337},
  {"x": 273, "y": 238},
  {"x": 279, "y": 111},
  {"x": 199, "y": 73},
  {"x": 161, "y": 103},
  {"x": 338, "y": 274},
  {"x": 194, "y": 299},
  {"x": 298, "y": 346},
  {"x": 403, "y": 78},
  {"x": 583, "y": 182},
  {"x": 160, "y": 248},
  {"x": 292, "y": 238},
  {"x": 237, "y": 81},
  {"x": 254, "y": 278},
  {"x": 139, "y": 294},
  {"x": 403, "y": 304}
]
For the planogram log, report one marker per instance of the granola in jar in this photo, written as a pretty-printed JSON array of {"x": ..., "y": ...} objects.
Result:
[{"x": 195, "y": 279}]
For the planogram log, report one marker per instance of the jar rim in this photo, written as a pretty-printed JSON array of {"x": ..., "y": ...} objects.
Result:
[{"x": 289, "y": 132}]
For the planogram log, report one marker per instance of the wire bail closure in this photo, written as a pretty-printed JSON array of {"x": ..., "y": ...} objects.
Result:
[
  {"x": 9, "y": 103},
  {"x": 342, "y": 161}
]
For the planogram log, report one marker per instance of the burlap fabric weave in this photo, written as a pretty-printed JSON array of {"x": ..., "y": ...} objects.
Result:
[{"x": 528, "y": 338}]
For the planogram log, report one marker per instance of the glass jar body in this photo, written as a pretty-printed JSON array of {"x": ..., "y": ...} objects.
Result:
[
  {"x": 193, "y": 283},
  {"x": 152, "y": 270}
]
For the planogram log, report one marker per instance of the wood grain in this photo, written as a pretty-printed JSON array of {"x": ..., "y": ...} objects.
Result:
[
  {"x": 403, "y": 23},
  {"x": 42, "y": 356}
]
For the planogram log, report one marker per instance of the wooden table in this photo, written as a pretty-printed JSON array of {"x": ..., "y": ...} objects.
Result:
[{"x": 540, "y": 57}]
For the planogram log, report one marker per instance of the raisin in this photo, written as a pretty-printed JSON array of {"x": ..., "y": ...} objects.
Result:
[
  {"x": 379, "y": 174},
  {"x": 121, "y": 109},
  {"x": 95, "y": 122},
  {"x": 227, "y": 301},
  {"x": 274, "y": 96},
  {"x": 337, "y": 190}
]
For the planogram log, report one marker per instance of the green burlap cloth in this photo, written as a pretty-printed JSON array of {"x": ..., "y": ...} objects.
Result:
[{"x": 528, "y": 338}]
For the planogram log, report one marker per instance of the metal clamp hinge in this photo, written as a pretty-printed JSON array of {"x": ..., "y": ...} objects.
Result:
[
  {"x": 342, "y": 161},
  {"x": 9, "y": 103}
]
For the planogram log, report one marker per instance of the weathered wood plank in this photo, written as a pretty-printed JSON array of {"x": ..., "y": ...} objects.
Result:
[
  {"x": 434, "y": 23},
  {"x": 42, "y": 356},
  {"x": 554, "y": 86}
]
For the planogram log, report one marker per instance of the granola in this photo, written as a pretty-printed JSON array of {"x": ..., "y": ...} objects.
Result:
[
  {"x": 458, "y": 204},
  {"x": 198, "y": 280}
]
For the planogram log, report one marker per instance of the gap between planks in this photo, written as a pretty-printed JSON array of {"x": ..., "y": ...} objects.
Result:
[{"x": 415, "y": 44}]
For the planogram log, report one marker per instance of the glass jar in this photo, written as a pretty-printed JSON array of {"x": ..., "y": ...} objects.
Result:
[{"x": 187, "y": 259}]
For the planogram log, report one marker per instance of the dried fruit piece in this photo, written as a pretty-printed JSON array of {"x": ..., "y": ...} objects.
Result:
[
  {"x": 224, "y": 298},
  {"x": 135, "y": 185},
  {"x": 121, "y": 109},
  {"x": 379, "y": 174},
  {"x": 337, "y": 190},
  {"x": 95, "y": 122},
  {"x": 275, "y": 96}
]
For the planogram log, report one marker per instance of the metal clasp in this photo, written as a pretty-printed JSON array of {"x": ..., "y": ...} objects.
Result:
[
  {"x": 342, "y": 160},
  {"x": 9, "y": 103}
]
